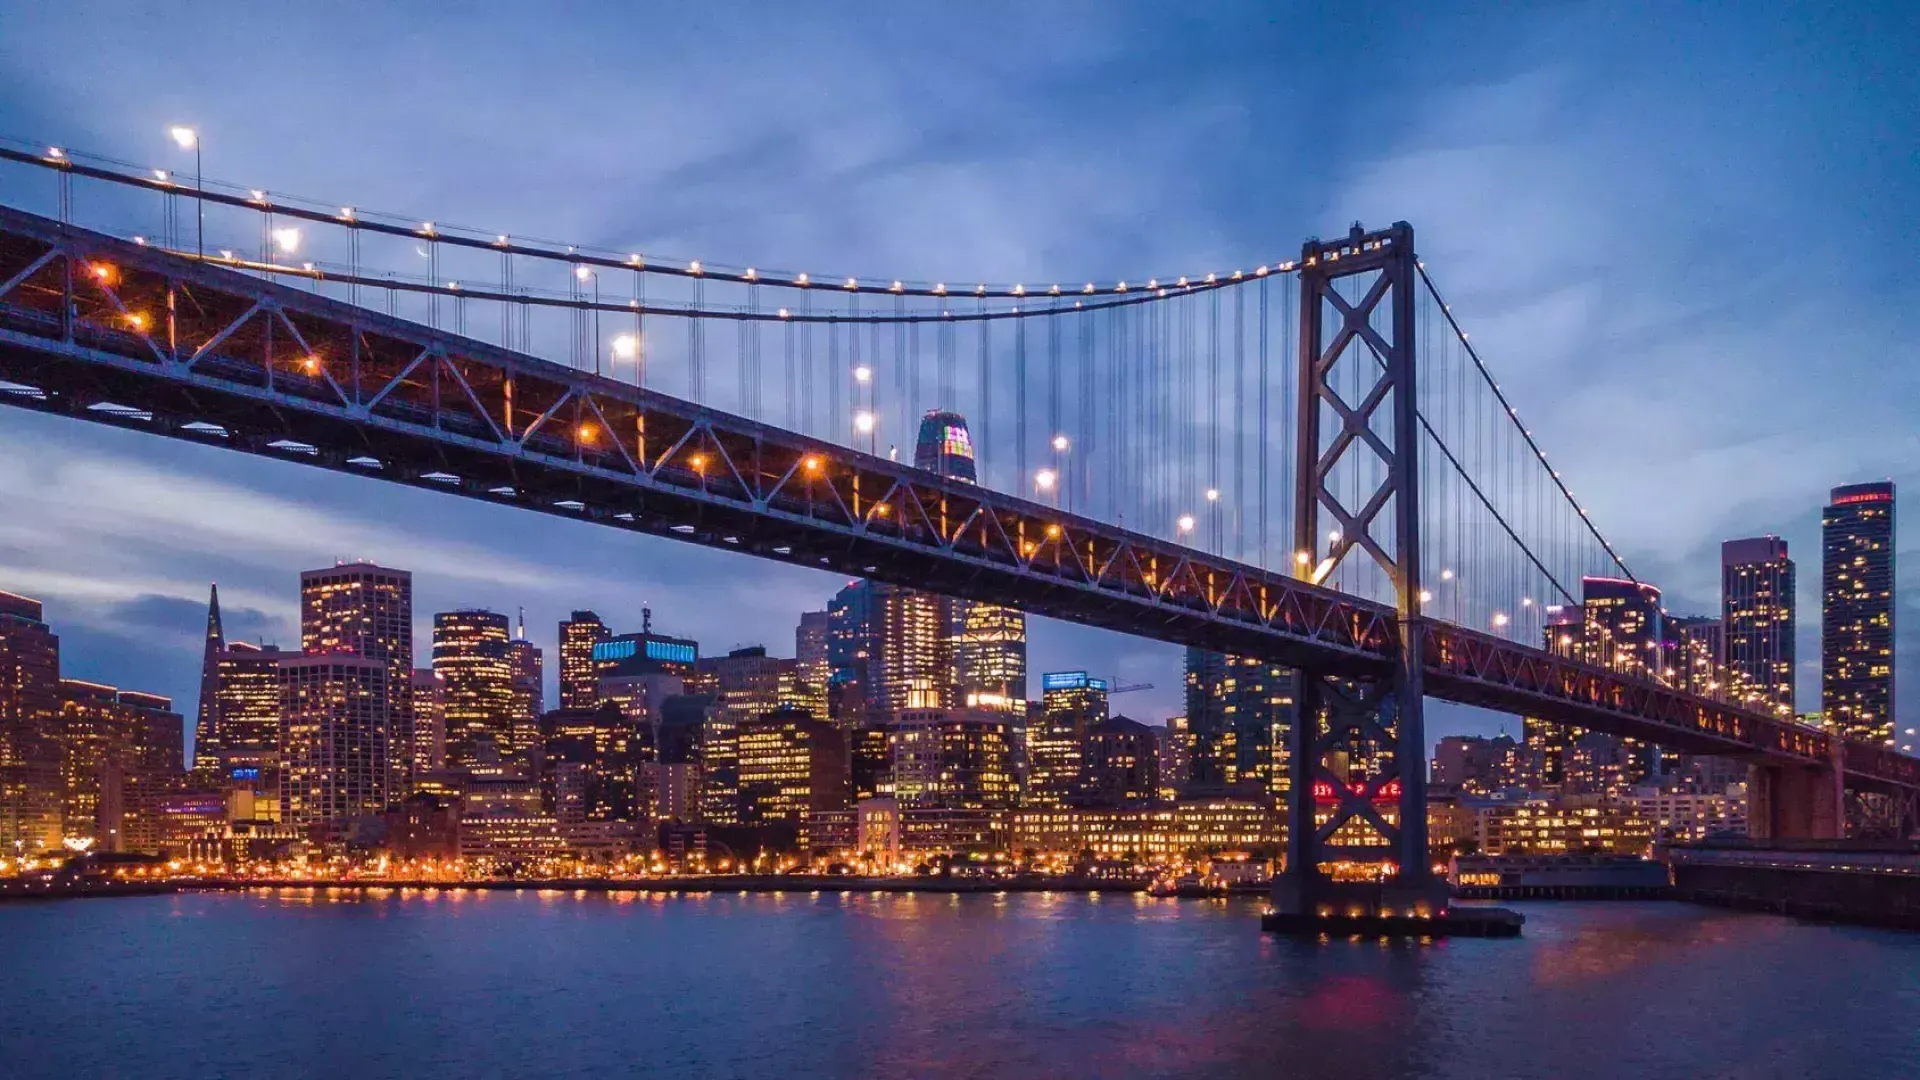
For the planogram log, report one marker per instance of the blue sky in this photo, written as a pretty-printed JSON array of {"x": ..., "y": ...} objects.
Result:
[{"x": 1680, "y": 233}]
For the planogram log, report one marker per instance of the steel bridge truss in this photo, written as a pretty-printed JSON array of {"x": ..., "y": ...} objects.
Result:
[{"x": 122, "y": 334}]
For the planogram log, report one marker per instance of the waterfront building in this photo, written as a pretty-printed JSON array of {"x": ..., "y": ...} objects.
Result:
[
  {"x": 872, "y": 761},
  {"x": 1072, "y": 703},
  {"x": 245, "y": 719},
  {"x": 579, "y": 674},
  {"x": 1543, "y": 825},
  {"x": 121, "y": 753},
  {"x": 334, "y": 710},
  {"x": 791, "y": 765},
  {"x": 951, "y": 759},
  {"x": 31, "y": 791},
  {"x": 1756, "y": 612},
  {"x": 1686, "y": 816},
  {"x": 849, "y": 650},
  {"x": 1163, "y": 833},
  {"x": 367, "y": 610},
  {"x": 1120, "y": 764},
  {"x": 1856, "y": 614},
  {"x": 472, "y": 657}
]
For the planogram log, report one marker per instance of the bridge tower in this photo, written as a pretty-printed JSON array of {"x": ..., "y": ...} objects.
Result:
[{"x": 1357, "y": 494}]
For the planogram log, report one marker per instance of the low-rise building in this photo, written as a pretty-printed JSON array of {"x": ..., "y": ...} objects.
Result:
[{"x": 1162, "y": 833}]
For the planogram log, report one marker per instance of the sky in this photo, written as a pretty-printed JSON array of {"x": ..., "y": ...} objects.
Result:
[{"x": 1680, "y": 234}]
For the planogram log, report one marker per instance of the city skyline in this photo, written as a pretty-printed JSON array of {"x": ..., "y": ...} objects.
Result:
[{"x": 179, "y": 517}]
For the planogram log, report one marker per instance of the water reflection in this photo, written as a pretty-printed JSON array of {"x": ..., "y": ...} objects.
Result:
[{"x": 564, "y": 982}]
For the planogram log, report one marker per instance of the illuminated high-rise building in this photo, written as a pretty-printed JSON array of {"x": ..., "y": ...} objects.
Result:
[
  {"x": 791, "y": 764},
  {"x": 1119, "y": 765},
  {"x": 988, "y": 650},
  {"x": 429, "y": 721},
  {"x": 367, "y": 610},
  {"x": 911, "y": 638},
  {"x": 334, "y": 727},
  {"x": 951, "y": 759},
  {"x": 206, "y": 733},
  {"x": 471, "y": 655},
  {"x": 591, "y": 764},
  {"x": 579, "y": 677},
  {"x": 529, "y": 693},
  {"x": 246, "y": 709},
  {"x": 990, "y": 656},
  {"x": 1238, "y": 712},
  {"x": 1176, "y": 756},
  {"x": 1619, "y": 625},
  {"x": 30, "y": 781},
  {"x": 812, "y": 649},
  {"x": 1856, "y": 614},
  {"x": 97, "y": 737},
  {"x": 1071, "y": 705},
  {"x": 1756, "y": 612},
  {"x": 849, "y": 653},
  {"x": 123, "y": 753}
]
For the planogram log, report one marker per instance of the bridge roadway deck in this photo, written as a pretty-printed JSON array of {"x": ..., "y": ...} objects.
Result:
[{"x": 114, "y": 332}]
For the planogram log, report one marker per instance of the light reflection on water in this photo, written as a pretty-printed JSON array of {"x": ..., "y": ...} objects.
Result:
[{"x": 408, "y": 982}]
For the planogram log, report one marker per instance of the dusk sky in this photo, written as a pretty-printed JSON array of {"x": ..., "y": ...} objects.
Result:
[{"x": 1682, "y": 235}]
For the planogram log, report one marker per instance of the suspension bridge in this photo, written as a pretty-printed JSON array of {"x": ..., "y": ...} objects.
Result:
[{"x": 1304, "y": 459}]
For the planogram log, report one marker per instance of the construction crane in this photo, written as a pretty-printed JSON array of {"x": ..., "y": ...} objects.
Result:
[{"x": 1115, "y": 686}]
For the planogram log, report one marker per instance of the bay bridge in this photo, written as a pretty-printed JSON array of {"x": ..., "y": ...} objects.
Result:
[{"x": 1303, "y": 459}]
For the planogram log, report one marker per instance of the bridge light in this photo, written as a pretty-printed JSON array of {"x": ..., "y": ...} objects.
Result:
[
  {"x": 312, "y": 364},
  {"x": 1054, "y": 531},
  {"x": 1302, "y": 558},
  {"x": 1060, "y": 444},
  {"x": 698, "y": 461},
  {"x": 1213, "y": 494},
  {"x": 863, "y": 422},
  {"x": 103, "y": 271},
  {"x": 1185, "y": 523},
  {"x": 56, "y": 153},
  {"x": 1526, "y": 601},
  {"x": 1426, "y": 597},
  {"x": 811, "y": 463},
  {"x": 160, "y": 175},
  {"x": 346, "y": 213},
  {"x": 184, "y": 137},
  {"x": 694, "y": 267},
  {"x": 227, "y": 255},
  {"x": 852, "y": 284},
  {"x": 881, "y": 509},
  {"x": 1333, "y": 537},
  {"x": 785, "y": 314},
  {"x": 426, "y": 228},
  {"x": 1446, "y": 575},
  {"x": 287, "y": 240},
  {"x": 582, "y": 273},
  {"x": 1045, "y": 479},
  {"x": 1499, "y": 618},
  {"x": 863, "y": 373},
  {"x": 586, "y": 433},
  {"x": 137, "y": 321},
  {"x": 626, "y": 346}
]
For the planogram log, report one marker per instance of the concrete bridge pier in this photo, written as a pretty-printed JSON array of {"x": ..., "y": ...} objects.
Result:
[{"x": 1797, "y": 802}]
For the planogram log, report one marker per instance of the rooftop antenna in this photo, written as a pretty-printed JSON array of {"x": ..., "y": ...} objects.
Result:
[
  {"x": 646, "y": 618},
  {"x": 521, "y": 633}
]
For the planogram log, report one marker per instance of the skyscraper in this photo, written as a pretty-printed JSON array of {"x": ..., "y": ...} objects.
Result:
[
  {"x": 1238, "y": 711},
  {"x": 429, "y": 721},
  {"x": 811, "y": 647},
  {"x": 246, "y": 711},
  {"x": 1856, "y": 614},
  {"x": 367, "y": 610},
  {"x": 1757, "y": 623},
  {"x": 529, "y": 694},
  {"x": 30, "y": 784},
  {"x": 579, "y": 678},
  {"x": 206, "y": 733},
  {"x": 1072, "y": 704},
  {"x": 911, "y": 639},
  {"x": 470, "y": 654},
  {"x": 849, "y": 652},
  {"x": 987, "y": 653},
  {"x": 334, "y": 730}
]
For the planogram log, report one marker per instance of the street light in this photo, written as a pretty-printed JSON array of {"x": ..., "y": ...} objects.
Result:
[
  {"x": 1060, "y": 443},
  {"x": 287, "y": 240},
  {"x": 626, "y": 346},
  {"x": 188, "y": 139},
  {"x": 1184, "y": 524},
  {"x": 864, "y": 422},
  {"x": 862, "y": 374},
  {"x": 1044, "y": 480}
]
